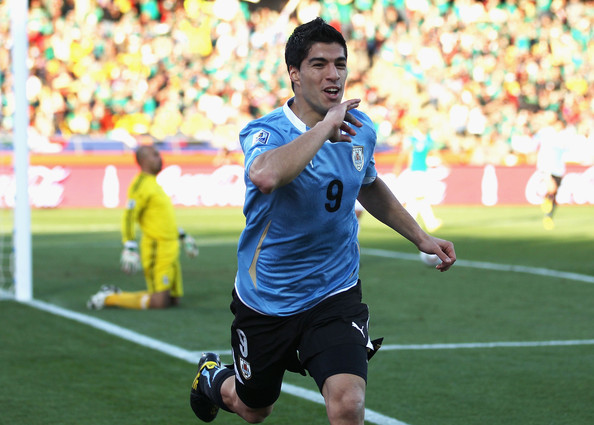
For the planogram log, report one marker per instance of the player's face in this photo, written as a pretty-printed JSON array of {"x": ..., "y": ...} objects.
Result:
[
  {"x": 154, "y": 161},
  {"x": 319, "y": 83}
]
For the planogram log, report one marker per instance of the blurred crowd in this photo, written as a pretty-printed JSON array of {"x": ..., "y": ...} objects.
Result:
[{"x": 484, "y": 75}]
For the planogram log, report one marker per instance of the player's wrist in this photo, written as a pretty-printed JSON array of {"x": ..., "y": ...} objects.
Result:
[
  {"x": 131, "y": 245},
  {"x": 326, "y": 130}
]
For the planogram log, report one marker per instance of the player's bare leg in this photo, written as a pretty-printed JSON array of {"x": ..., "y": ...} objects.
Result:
[
  {"x": 345, "y": 399},
  {"x": 230, "y": 398},
  {"x": 162, "y": 299}
]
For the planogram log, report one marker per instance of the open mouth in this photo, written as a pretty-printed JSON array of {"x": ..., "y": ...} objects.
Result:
[{"x": 332, "y": 91}]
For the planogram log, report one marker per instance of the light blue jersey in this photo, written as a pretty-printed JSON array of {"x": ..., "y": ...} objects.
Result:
[{"x": 300, "y": 244}]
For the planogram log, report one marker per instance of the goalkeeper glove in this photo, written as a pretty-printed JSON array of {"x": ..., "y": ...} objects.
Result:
[
  {"x": 190, "y": 246},
  {"x": 130, "y": 260}
]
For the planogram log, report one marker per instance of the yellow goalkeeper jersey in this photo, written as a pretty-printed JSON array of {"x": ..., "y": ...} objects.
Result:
[{"x": 149, "y": 205}]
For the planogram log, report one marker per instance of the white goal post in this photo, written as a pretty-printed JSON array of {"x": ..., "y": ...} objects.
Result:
[{"x": 23, "y": 280}]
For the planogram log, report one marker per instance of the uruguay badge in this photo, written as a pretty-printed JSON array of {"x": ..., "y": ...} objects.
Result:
[
  {"x": 358, "y": 157},
  {"x": 246, "y": 370}
]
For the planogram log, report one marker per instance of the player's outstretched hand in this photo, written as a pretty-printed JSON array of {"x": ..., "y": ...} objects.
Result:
[
  {"x": 190, "y": 246},
  {"x": 130, "y": 260},
  {"x": 443, "y": 249}
]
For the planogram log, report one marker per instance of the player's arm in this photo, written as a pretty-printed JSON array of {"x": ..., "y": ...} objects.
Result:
[
  {"x": 129, "y": 222},
  {"x": 130, "y": 258},
  {"x": 278, "y": 167},
  {"x": 379, "y": 201}
]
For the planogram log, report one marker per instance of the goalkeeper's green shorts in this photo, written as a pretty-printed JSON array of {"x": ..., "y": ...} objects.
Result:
[{"x": 162, "y": 269}]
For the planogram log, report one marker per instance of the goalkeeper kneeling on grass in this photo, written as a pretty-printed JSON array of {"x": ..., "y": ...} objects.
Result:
[{"x": 150, "y": 207}]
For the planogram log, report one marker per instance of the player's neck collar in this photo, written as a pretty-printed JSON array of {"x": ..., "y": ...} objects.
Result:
[{"x": 299, "y": 125}]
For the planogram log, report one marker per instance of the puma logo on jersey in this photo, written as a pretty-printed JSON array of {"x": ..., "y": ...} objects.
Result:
[{"x": 360, "y": 329}]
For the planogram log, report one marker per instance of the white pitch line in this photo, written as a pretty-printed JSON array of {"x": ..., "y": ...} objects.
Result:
[
  {"x": 487, "y": 266},
  {"x": 509, "y": 344},
  {"x": 183, "y": 354},
  {"x": 370, "y": 415},
  {"x": 110, "y": 328},
  {"x": 462, "y": 345},
  {"x": 194, "y": 356},
  {"x": 316, "y": 397}
]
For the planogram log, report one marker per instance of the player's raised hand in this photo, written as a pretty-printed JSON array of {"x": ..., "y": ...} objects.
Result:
[{"x": 340, "y": 117}]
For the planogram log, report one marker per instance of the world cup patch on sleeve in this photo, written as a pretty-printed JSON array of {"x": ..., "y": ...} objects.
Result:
[
  {"x": 358, "y": 157},
  {"x": 261, "y": 137}
]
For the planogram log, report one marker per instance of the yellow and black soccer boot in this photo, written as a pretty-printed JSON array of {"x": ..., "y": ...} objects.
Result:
[{"x": 201, "y": 404}]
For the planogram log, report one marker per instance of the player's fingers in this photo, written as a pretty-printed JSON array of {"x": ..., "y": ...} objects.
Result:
[
  {"x": 352, "y": 103},
  {"x": 443, "y": 267},
  {"x": 448, "y": 258},
  {"x": 348, "y": 117},
  {"x": 344, "y": 127}
]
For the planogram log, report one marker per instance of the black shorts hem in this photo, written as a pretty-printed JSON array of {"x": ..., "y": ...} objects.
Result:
[{"x": 346, "y": 358}]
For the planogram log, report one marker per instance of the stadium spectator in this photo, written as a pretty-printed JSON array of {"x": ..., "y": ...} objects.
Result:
[
  {"x": 135, "y": 61},
  {"x": 152, "y": 208},
  {"x": 297, "y": 297}
]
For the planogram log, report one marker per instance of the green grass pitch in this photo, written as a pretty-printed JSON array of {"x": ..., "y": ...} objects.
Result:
[{"x": 59, "y": 371}]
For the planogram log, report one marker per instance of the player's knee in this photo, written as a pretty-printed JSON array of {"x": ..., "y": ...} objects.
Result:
[
  {"x": 348, "y": 406},
  {"x": 160, "y": 300}
]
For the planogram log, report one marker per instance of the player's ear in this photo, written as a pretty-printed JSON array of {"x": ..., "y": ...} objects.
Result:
[{"x": 294, "y": 74}]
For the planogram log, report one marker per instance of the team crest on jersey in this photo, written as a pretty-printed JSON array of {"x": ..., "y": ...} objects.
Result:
[
  {"x": 358, "y": 157},
  {"x": 131, "y": 204},
  {"x": 261, "y": 137},
  {"x": 246, "y": 370}
]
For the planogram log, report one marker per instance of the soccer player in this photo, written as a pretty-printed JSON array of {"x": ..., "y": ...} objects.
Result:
[
  {"x": 297, "y": 299},
  {"x": 550, "y": 161},
  {"x": 149, "y": 205},
  {"x": 418, "y": 182}
]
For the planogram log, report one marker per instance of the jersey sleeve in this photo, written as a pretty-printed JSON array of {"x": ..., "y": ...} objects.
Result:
[
  {"x": 134, "y": 206},
  {"x": 370, "y": 173},
  {"x": 256, "y": 139}
]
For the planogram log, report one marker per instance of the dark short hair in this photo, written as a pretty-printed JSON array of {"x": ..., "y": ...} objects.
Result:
[{"x": 305, "y": 35}]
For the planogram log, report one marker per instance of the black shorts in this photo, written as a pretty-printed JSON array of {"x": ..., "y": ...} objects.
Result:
[{"x": 328, "y": 339}]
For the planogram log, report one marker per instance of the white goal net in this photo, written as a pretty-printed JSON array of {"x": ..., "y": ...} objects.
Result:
[{"x": 6, "y": 246}]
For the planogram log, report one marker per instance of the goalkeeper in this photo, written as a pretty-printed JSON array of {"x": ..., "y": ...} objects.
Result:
[{"x": 150, "y": 207}]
